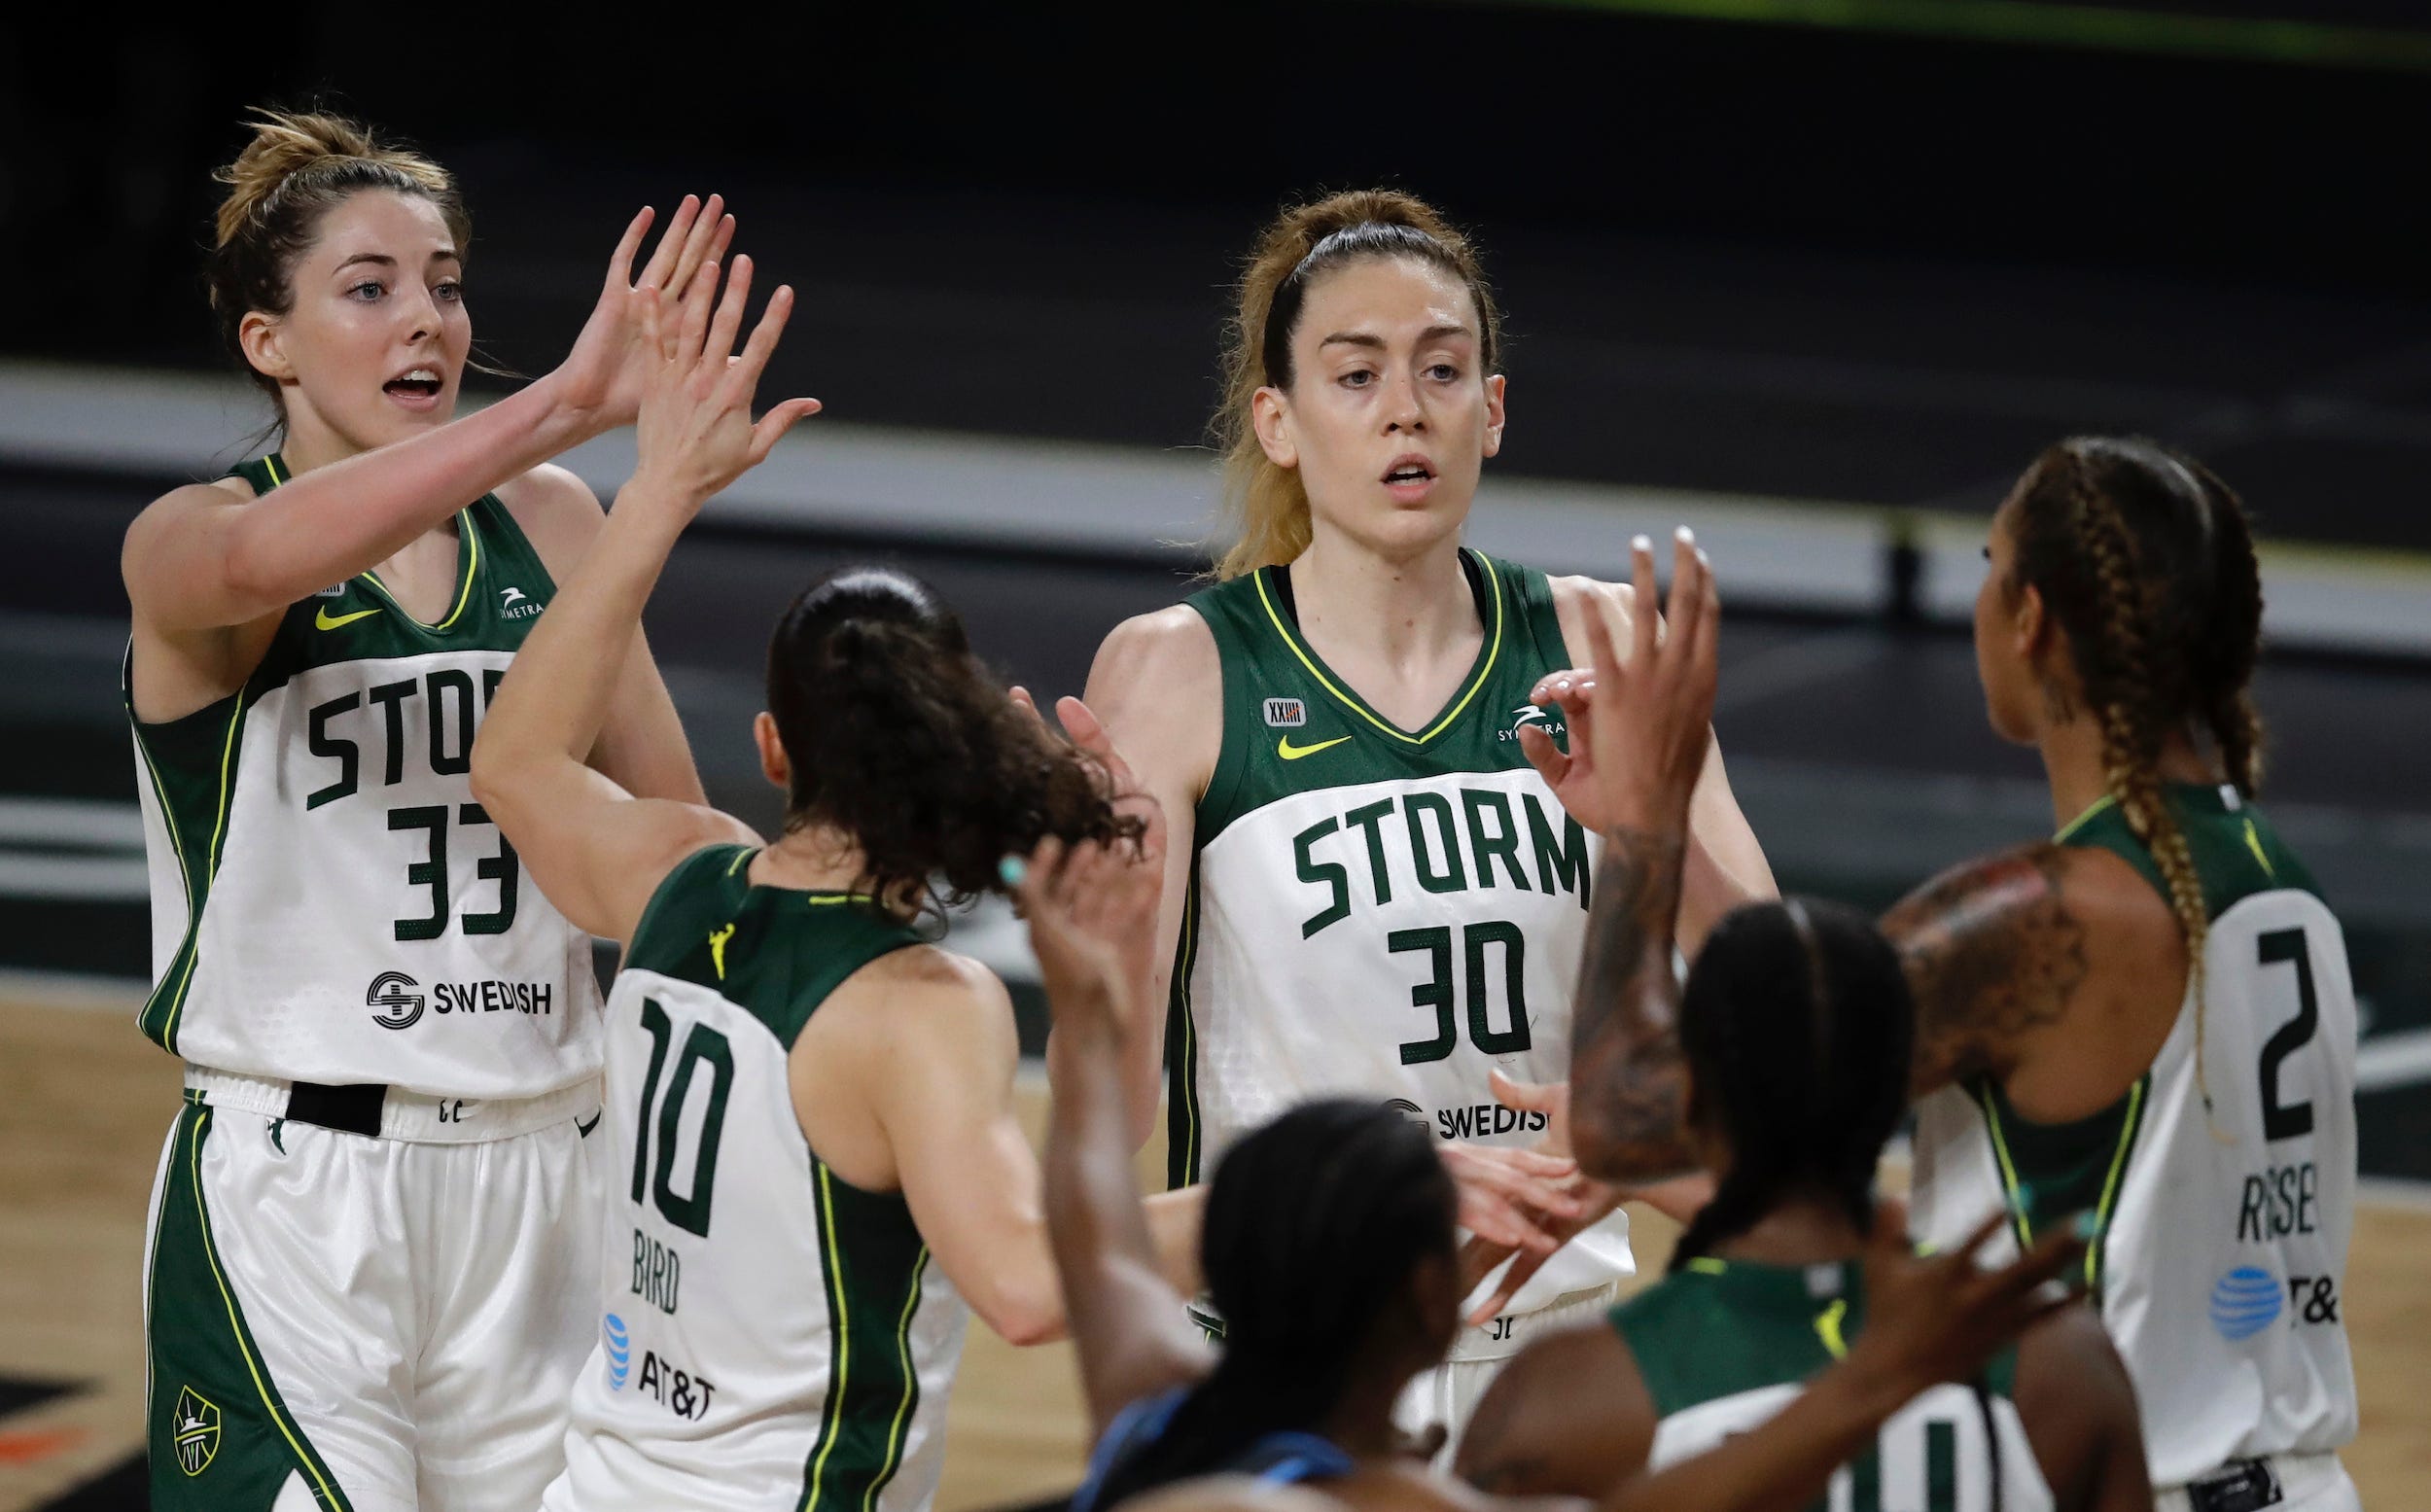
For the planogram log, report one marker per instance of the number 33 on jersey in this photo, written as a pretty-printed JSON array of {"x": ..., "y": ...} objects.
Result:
[{"x": 328, "y": 902}]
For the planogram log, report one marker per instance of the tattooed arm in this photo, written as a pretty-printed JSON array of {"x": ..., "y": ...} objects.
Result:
[
  {"x": 1996, "y": 952},
  {"x": 1629, "y": 1080},
  {"x": 1642, "y": 755}
]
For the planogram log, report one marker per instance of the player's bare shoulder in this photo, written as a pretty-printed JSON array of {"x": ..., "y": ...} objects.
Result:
[
  {"x": 556, "y": 512},
  {"x": 1158, "y": 687},
  {"x": 1575, "y": 597}
]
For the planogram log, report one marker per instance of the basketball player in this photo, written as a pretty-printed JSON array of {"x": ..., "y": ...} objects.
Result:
[
  {"x": 2148, "y": 1018},
  {"x": 1798, "y": 1027},
  {"x": 806, "y": 1103},
  {"x": 370, "y": 1231},
  {"x": 1328, "y": 1246},
  {"x": 1368, "y": 890}
]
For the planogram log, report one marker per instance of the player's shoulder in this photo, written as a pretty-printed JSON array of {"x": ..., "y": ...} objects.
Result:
[
  {"x": 1154, "y": 649},
  {"x": 556, "y": 512},
  {"x": 1576, "y": 598},
  {"x": 931, "y": 987}
]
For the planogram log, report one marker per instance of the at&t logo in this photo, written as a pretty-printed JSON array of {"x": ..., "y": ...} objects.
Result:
[
  {"x": 391, "y": 993},
  {"x": 2244, "y": 1302},
  {"x": 620, "y": 1350}
]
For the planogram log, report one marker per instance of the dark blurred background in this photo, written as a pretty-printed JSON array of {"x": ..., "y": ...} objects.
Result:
[{"x": 1840, "y": 267}]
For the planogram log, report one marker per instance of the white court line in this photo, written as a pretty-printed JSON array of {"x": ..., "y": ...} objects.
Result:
[
  {"x": 98, "y": 824},
  {"x": 90, "y": 878},
  {"x": 2398, "y": 1060}
]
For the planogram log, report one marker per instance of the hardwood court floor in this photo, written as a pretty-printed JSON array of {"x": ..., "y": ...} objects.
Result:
[{"x": 84, "y": 1102}]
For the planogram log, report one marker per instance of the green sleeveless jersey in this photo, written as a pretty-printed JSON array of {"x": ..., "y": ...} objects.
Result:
[
  {"x": 2222, "y": 1234},
  {"x": 1724, "y": 1346},
  {"x": 328, "y": 902},
  {"x": 1375, "y": 910},
  {"x": 770, "y": 1334}
]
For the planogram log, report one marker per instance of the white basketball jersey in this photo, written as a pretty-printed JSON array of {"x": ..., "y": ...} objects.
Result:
[
  {"x": 2222, "y": 1249},
  {"x": 771, "y": 1336},
  {"x": 328, "y": 905},
  {"x": 1376, "y": 911}
]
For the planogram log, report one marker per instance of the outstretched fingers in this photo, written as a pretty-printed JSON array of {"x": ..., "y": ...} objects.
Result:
[
  {"x": 728, "y": 322},
  {"x": 620, "y": 261},
  {"x": 705, "y": 241},
  {"x": 658, "y": 271},
  {"x": 693, "y": 328}
]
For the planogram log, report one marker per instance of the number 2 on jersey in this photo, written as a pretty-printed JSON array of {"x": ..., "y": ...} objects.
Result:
[
  {"x": 704, "y": 1045},
  {"x": 2287, "y": 1121}
]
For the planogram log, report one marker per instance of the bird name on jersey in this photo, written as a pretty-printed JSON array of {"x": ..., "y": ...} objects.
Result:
[
  {"x": 657, "y": 1272},
  {"x": 1491, "y": 838}
]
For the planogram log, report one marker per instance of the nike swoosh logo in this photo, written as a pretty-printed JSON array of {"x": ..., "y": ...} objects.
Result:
[
  {"x": 585, "y": 1129},
  {"x": 1284, "y": 749},
  {"x": 323, "y": 621}
]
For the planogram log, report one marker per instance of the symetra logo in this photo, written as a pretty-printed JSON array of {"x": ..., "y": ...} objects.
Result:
[
  {"x": 514, "y": 604},
  {"x": 620, "y": 1350},
  {"x": 391, "y": 993},
  {"x": 2244, "y": 1302}
]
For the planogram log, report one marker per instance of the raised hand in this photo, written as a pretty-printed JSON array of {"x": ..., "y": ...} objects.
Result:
[
  {"x": 1088, "y": 905},
  {"x": 1515, "y": 1198},
  {"x": 1638, "y": 727},
  {"x": 603, "y": 377},
  {"x": 1938, "y": 1318},
  {"x": 695, "y": 427}
]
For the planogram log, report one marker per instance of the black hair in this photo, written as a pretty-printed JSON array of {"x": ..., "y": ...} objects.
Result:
[
  {"x": 1798, "y": 1027},
  {"x": 898, "y": 736},
  {"x": 1315, "y": 1223}
]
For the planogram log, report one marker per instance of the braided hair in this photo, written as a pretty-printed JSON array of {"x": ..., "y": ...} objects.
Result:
[
  {"x": 2146, "y": 560},
  {"x": 1315, "y": 1224},
  {"x": 1798, "y": 1025}
]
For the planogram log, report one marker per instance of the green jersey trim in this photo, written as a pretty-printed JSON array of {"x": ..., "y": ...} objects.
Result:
[
  {"x": 187, "y": 805},
  {"x": 1484, "y": 669},
  {"x": 868, "y": 1407},
  {"x": 1181, "y": 1048},
  {"x": 191, "y": 1304},
  {"x": 2077, "y": 1167},
  {"x": 467, "y": 558}
]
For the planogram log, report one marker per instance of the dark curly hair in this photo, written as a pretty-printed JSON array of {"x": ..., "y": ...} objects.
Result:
[
  {"x": 900, "y": 737},
  {"x": 1315, "y": 1224}
]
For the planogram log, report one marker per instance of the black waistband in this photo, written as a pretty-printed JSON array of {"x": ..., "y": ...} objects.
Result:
[
  {"x": 352, "y": 1110},
  {"x": 2248, "y": 1486}
]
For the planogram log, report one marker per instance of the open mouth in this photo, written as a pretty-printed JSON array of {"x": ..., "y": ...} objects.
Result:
[
  {"x": 1406, "y": 470},
  {"x": 419, "y": 384}
]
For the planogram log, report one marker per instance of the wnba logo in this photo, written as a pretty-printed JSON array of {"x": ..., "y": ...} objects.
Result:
[
  {"x": 620, "y": 1350},
  {"x": 391, "y": 993}
]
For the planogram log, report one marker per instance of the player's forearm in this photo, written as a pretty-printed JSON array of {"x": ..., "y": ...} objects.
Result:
[
  {"x": 557, "y": 693},
  {"x": 1095, "y": 1215},
  {"x": 1629, "y": 1091},
  {"x": 1176, "y": 1219},
  {"x": 339, "y": 520}
]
